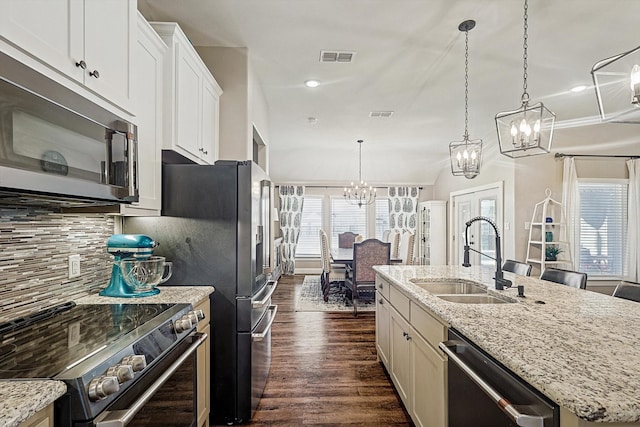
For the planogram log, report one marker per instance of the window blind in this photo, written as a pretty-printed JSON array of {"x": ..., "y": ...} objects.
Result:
[
  {"x": 382, "y": 216},
  {"x": 346, "y": 217},
  {"x": 603, "y": 227},
  {"x": 310, "y": 225}
]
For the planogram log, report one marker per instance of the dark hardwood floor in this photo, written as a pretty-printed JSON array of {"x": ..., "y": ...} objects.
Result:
[{"x": 324, "y": 370}]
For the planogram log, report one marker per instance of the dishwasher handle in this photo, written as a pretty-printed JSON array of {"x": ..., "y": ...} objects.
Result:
[{"x": 523, "y": 420}]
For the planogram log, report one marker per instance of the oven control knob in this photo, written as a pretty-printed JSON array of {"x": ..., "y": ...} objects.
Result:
[
  {"x": 103, "y": 386},
  {"x": 122, "y": 372},
  {"x": 183, "y": 324},
  {"x": 137, "y": 362},
  {"x": 195, "y": 316}
]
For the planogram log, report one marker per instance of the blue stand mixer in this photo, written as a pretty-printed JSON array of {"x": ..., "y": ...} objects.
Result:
[{"x": 125, "y": 246}]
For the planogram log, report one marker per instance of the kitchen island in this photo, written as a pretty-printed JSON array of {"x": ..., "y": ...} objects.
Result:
[
  {"x": 578, "y": 348},
  {"x": 21, "y": 400}
]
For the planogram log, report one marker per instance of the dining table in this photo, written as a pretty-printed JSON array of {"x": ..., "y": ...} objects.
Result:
[{"x": 345, "y": 256}]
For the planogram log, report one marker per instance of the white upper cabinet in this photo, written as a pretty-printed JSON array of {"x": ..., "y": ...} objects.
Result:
[
  {"x": 88, "y": 41},
  {"x": 149, "y": 103},
  {"x": 192, "y": 98}
]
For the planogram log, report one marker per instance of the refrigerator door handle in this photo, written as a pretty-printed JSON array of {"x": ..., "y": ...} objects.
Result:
[
  {"x": 259, "y": 336},
  {"x": 272, "y": 284}
]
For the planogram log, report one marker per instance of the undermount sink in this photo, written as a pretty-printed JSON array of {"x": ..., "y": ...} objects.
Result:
[
  {"x": 475, "y": 299},
  {"x": 459, "y": 291},
  {"x": 453, "y": 286}
]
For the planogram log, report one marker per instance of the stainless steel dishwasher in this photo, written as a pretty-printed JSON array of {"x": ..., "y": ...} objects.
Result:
[{"x": 483, "y": 393}]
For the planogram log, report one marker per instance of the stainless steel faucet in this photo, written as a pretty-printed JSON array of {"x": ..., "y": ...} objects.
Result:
[{"x": 501, "y": 282}]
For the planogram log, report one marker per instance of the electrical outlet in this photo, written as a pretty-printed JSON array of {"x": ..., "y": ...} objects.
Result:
[
  {"x": 74, "y": 266},
  {"x": 73, "y": 337}
]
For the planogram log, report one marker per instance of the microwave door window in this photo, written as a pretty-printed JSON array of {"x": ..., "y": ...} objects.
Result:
[{"x": 41, "y": 145}]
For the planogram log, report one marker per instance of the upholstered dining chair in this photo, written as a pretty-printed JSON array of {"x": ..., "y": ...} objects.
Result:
[
  {"x": 394, "y": 239},
  {"x": 385, "y": 236},
  {"x": 346, "y": 239},
  {"x": 405, "y": 248},
  {"x": 517, "y": 267},
  {"x": 627, "y": 290},
  {"x": 361, "y": 278},
  {"x": 331, "y": 273},
  {"x": 565, "y": 277}
]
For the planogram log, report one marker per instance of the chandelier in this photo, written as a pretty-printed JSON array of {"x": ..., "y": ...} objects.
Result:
[
  {"x": 360, "y": 193},
  {"x": 466, "y": 155},
  {"x": 528, "y": 130},
  {"x": 617, "y": 84}
]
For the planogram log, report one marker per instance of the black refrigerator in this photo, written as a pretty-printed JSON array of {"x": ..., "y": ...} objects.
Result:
[{"x": 215, "y": 229}]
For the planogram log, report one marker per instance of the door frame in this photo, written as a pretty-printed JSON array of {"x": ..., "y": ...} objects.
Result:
[{"x": 453, "y": 244}]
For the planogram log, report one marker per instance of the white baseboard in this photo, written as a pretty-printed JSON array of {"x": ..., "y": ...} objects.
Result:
[{"x": 308, "y": 270}]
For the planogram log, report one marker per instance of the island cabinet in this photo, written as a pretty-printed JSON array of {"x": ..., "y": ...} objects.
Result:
[
  {"x": 192, "y": 99},
  {"x": 89, "y": 42},
  {"x": 42, "y": 418},
  {"x": 203, "y": 362},
  {"x": 407, "y": 338}
]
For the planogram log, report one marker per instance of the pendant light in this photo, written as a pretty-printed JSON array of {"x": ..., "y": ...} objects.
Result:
[
  {"x": 466, "y": 155},
  {"x": 617, "y": 84},
  {"x": 360, "y": 193},
  {"x": 528, "y": 130}
]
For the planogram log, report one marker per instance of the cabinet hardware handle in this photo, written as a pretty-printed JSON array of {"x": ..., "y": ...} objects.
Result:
[
  {"x": 95, "y": 73},
  {"x": 381, "y": 301},
  {"x": 380, "y": 286},
  {"x": 81, "y": 64}
]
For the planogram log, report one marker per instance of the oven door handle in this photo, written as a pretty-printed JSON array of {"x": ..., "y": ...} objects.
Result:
[
  {"x": 523, "y": 420},
  {"x": 123, "y": 417},
  {"x": 259, "y": 336},
  {"x": 273, "y": 284}
]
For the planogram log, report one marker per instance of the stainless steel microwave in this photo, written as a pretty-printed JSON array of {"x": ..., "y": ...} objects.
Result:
[{"x": 58, "y": 145}]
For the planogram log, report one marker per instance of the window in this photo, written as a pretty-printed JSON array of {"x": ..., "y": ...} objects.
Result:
[
  {"x": 310, "y": 225},
  {"x": 382, "y": 216},
  {"x": 346, "y": 217},
  {"x": 603, "y": 228}
]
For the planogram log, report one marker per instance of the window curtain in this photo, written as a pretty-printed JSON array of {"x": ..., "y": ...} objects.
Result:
[
  {"x": 571, "y": 209},
  {"x": 403, "y": 208},
  {"x": 633, "y": 230},
  {"x": 291, "y": 201}
]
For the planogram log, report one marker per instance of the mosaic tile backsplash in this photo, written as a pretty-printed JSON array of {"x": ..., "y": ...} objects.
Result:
[{"x": 34, "y": 248}]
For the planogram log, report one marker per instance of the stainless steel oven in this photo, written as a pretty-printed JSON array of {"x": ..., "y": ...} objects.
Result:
[
  {"x": 166, "y": 397},
  {"x": 483, "y": 393}
]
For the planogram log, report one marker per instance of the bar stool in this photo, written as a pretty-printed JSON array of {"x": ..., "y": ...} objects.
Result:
[
  {"x": 517, "y": 267},
  {"x": 565, "y": 277},
  {"x": 627, "y": 290}
]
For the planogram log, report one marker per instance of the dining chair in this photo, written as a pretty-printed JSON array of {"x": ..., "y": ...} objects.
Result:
[
  {"x": 346, "y": 239},
  {"x": 565, "y": 277},
  {"x": 361, "y": 278},
  {"x": 394, "y": 239},
  {"x": 331, "y": 273},
  {"x": 627, "y": 290},
  {"x": 517, "y": 267},
  {"x": 385, "y": 236},
  {"x": 405, "y": 248}
]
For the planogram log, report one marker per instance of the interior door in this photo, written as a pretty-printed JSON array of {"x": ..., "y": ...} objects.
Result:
[{"x": 481, "y": 234}]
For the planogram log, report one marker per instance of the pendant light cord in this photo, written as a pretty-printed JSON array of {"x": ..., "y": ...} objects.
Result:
[
  {"x": 360, "y": 162},
  {"x": 466, "y": 85},
  {"x": 525, "y": 95}
]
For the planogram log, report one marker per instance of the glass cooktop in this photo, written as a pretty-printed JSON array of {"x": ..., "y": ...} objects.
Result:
[{"x": 44, "y": 344}]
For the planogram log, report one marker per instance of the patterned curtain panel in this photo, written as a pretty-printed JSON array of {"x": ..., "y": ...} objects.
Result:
[
  {"x": 403, "y": 208},
  {"x": 291, "y": 200}
]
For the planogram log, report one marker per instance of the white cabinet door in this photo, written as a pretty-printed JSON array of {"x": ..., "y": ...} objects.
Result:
[
  {"x": 109, "y": 41},
  {"x": 192, "y": 99},
  {"x": 89, "y": 41},
  {"x": 429, "y": 387},
  {"x": 148, "y": 100},
  {"x": 383, "y": 318},
  {"x": 210, "y": 120},
  {"x": 401, "y": 357}
]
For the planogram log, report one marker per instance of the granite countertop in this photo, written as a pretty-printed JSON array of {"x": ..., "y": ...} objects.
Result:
[
  {"x": 579, "y": 348},
  {"x": 19, "y": 400}
]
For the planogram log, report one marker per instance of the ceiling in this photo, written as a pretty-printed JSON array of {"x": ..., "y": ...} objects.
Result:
[{"x": 409, "y": 59}]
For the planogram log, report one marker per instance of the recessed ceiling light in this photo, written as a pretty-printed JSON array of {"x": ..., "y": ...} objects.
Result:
[
  {"x": 311, "y": 83},
  {"x": 578, "y": 88}
]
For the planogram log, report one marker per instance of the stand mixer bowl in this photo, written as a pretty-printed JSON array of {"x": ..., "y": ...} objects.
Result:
[{"x": 143, "y": 275}]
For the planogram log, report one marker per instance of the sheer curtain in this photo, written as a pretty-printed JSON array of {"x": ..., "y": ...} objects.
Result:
[
  {"x": 291, "y": 201},
  {"x": 633, "y": 231},
  {"x": 571, "y": 208}
]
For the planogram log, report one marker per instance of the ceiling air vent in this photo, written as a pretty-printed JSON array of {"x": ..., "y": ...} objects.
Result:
[
  {"x": 335, "y": 56},
  {"x": 383, "y": 114}
]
